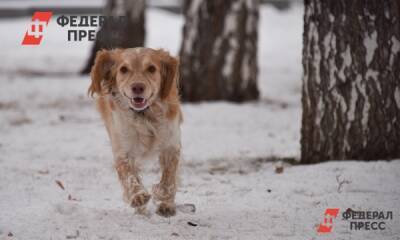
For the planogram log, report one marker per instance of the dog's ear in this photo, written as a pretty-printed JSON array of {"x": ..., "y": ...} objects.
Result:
[
  {"x": 103, "y": 71},
  {"x": 169, "y": 73}
]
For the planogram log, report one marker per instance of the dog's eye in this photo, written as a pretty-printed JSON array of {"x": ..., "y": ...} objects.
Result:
[
  {"x": 151, "y": 69},
  {"x": 123, "y": 69}
]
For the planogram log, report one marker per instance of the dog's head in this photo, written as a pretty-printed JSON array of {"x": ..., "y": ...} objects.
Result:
[{"x": 139, "y": 76}]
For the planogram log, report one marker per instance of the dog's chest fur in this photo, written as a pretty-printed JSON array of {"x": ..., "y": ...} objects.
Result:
[{"x": 142, "y": 136}]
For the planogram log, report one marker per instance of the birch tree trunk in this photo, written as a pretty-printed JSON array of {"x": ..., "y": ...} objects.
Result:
[
  {"x": 351, "y": 82},
  {"x": 219, "y": 50},
  {"x": 125, "y": 34}
]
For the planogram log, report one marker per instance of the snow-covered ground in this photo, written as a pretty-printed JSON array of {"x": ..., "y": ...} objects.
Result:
[{"x": 50, "y": 132}]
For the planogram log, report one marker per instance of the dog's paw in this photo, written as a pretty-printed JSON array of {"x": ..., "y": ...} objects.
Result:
[
  {"x": 139, "y": 199},
  {"x": 163, "y": 193},
  {"x": 166, "y": 209}
]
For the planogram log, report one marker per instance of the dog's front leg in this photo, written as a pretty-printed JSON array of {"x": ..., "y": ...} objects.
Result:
[
  {"x": 128, "y": 174},
  {"x": 166, "y": 189}
]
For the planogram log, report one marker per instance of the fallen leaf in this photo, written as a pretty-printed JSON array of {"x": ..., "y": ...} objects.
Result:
[
  {"x": 73, "y": 236},
  {"x": 20, "y": 121},
  {"x": 59, "y": 183},
  {"x": 44, "y": 172},
  {"x": 192, "y": 224},
  {"x": 72, "y": 198},
  {"x": 279, "y": 169}
]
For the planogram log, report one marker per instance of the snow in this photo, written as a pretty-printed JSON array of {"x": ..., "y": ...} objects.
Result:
[
  {"x": 170, "y": 38},
  {"x": 230, "y": 28},
  {"x": 192, "y": 33},
  {"x": 351, "y": 111},
  {"x": 49, "y": 131},
  {"x": 395, "y": 48},
  {"x": 371, "y": 45},
  {"x": 245, "y": 73},
  {"x": 347, "y": 60},
  {"x": 362, "y": 87},
  {"x": 397, "y": 97},
  {"x": 280, "y": 43}
]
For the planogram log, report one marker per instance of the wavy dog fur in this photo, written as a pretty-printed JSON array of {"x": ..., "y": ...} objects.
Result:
[{"x": 136, "y": 135}]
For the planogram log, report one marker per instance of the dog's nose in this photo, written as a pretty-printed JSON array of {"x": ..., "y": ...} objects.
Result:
[{"x": 138, "y": 88}]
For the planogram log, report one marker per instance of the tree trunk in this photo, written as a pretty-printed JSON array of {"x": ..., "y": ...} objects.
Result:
[
  {"x": 351, "y": 82},
  {"x": 219, "y": 50},
  {"x": 128, "y": 33}
]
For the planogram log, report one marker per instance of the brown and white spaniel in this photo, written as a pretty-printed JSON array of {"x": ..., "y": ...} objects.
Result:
[{"x": 137, "y": 97}]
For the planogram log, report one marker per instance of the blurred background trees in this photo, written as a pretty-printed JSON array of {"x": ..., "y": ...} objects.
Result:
[
  {"x": 219, "y": 50},
  {"x": 351, "y": 85},
  {"x": 351, "y": 63},
  {"x": 127, "y": 33}
]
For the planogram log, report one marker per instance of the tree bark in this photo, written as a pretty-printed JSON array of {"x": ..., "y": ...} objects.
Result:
[
  {"x": 120, "y": 34},
  {"x": 351, "y": 83},
  {"x": 219, "y": 50}
]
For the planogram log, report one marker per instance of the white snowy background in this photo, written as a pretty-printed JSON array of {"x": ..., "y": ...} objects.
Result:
[{"x": 50, "y": 131}]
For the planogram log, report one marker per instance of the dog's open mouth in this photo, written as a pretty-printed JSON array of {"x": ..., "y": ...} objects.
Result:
[{"x": 138, "y": 103}]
